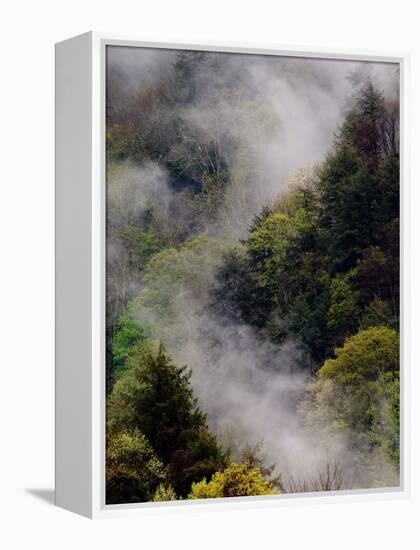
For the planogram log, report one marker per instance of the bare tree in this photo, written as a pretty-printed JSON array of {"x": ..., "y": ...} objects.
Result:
[{"x": 330, "y": 478}]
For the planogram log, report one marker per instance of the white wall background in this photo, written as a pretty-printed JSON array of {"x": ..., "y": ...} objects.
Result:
[{"x": 28, "y": 32}]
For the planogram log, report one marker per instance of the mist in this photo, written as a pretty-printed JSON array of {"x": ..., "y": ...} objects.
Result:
[{"x": 266, "y": 117}]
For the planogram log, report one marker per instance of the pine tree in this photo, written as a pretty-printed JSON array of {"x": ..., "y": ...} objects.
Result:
[{"x": 155, "y": 397}]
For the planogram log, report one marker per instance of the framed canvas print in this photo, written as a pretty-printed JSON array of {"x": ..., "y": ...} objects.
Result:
[{"x": 228, "y": 257}]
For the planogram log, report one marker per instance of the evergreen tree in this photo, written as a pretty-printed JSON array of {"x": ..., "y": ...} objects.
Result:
[{"x": 155, "y": 397}]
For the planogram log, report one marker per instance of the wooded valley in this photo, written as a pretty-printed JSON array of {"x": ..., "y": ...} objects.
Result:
[{"x": 252, "y": 275}]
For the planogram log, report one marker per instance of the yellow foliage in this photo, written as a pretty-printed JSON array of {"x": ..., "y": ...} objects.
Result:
[{"x": 235, "y": 481}]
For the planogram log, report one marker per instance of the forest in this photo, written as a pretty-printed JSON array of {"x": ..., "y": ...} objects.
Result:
[{"x": 252, "y": 275}]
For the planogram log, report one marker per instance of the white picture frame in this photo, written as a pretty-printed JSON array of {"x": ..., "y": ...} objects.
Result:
[{"x": 80, "y": 276}]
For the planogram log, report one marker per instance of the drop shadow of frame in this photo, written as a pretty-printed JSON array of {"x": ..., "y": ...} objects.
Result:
[{"x": 47, "y": 495}]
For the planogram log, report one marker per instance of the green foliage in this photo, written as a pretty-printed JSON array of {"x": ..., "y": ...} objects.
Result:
[
  {"x": 155, "y": 397},
  {"x": 129, "y": 334},
  {"x": 376, "y": 277},
  {"x": 378, "y": 313},
  {"x": 174, "y": 272},
  {"x": 356, "y": 395},
  {"x": 319, "y": 266},
  {"x": 343, "y": 310},
  {"x": 305, "y": 301},
  {"x": 133, "y": 472},
  {"x": 286, "y": 282},
  {"x": 359, "y": 182},
  {"x": 268, "y": 244},
  {"x": 235, "y": 293},
  {"x": 369, "y": 127},
  {"x": 324, "y": 260},
  {"x": 370, "y": 274},
  {"x": 387, "y": 198},
  {"x": 282, "y": 268},
  {"x": 384, "y": 412},
  {"x": 303, "y": 192},
  {"x": 346, "y": 194},
  {"x": 147, "y": 245},
  {"x": 237, "y": 480},
  {"x": 117, "y": 142},
  {"x": 364, "y": 357}
]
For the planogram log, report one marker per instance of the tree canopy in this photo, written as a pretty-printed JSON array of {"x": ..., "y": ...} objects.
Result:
[{"x": 281, "y": 289}]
